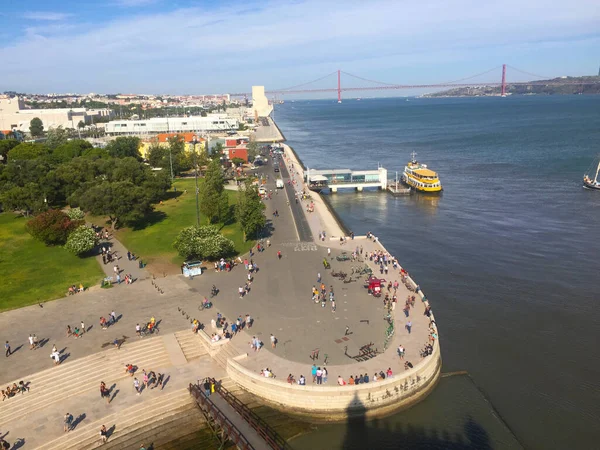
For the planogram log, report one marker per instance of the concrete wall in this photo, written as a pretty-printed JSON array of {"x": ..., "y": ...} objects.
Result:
[{"x": 336, "y": 403}]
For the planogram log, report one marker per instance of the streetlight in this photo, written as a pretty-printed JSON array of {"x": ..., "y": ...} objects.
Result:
[{"x": 196, "y": 176}]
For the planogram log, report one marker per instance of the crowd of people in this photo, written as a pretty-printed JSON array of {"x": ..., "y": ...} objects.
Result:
[{"x": 15, "y": 389}]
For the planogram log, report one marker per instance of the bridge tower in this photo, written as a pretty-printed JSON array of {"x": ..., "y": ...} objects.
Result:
[
  {"x": 339, "y": 89},
  {"x": 503, "y": 92}
]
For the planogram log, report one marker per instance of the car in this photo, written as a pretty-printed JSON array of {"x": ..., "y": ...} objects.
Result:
[
  {"x": 276, "y": 169},
  {"x": 279, "y": 183}
]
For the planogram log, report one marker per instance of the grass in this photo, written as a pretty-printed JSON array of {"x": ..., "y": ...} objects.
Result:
[
  {"x": 153, "y": 239},
  {"x": 32, "y": 272}
]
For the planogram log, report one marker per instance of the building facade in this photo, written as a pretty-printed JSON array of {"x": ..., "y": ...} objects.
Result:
[
  {"x": 194, "y": 124},
  {"x": 14, "y": 115}
]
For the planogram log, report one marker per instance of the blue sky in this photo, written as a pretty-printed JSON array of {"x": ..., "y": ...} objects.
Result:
[{"x": 186, "y": 46}]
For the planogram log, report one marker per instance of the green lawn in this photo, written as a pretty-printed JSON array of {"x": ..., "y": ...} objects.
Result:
[
  {"x": 153, "y": 242},
  {"x": 31, "y": 272}
]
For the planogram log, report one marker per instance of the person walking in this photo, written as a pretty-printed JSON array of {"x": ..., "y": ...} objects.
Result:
[
  {"x": 113, "y": 317},
  {"x": 30, "y": 342},
  {"x": 401, "y": 351},
  {"x": 408, "y": 326},
  {"x": 319, "y": 376},
  {"x": 67, "y": 422},
  {"x": 313, "y": 372},
  {"x": 82, "y": 327},
  {"x": 318, "y": 277},
  {"x": 35, "y": 341},
  {"x": 7, "y": 348},
  {"x": 159, "y": 381},
  {"x": 207, "y": 387},
  {"x": 136, "y": 385},
  {"x": 273, "y": 341},
  {"x": 279, "y": 254}
]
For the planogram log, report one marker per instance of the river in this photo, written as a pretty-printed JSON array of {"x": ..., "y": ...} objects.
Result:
[{"x": 508, "y": 255}]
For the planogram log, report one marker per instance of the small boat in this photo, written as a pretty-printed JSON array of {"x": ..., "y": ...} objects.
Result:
[
  {"x": 420, "y": 177},
  {"x": 588, "y": 181}
]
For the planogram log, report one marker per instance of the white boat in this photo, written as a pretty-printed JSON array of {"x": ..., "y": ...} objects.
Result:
[{"x": 588, "y": 181}]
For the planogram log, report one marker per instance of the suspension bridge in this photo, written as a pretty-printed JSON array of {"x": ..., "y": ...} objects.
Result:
[{"x": 305, "y": 88}]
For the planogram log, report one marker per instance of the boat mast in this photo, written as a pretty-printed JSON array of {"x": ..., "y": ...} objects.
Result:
[{"x": 597, "y": 170}]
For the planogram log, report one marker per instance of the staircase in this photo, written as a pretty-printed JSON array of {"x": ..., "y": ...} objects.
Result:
[
  {"x": 173, "y": 416},
  {"x": 72, "y": 378},
  {"x": 190, "y": 345}
]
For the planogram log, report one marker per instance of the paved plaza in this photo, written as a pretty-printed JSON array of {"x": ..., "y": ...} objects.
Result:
[{"x": 279, "y": 301}]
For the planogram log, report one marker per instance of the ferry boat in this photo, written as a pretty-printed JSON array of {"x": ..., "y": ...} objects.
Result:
[
  {"x": 588, "y": 181},
  {"x": 420, "y": 178}
]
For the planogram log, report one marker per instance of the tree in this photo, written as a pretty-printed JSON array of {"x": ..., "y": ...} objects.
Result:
[
  {"x": 237, "y": 161},
  {"x": 203, "y": 242},
  {"x": 52, "y": 227},
  {"x": 75, "y": 214},
  {"x": 56, "y": 137},
  {"x": 7, "y": 145},
  {"x": 81, "y": 240},
  {"x": 121, "y": 201},
  {"x": 36, "y": 127},
  {"x": 125, "y": 146},
  {"x": 95, "y": 153},
  {"x": 27, "y": 199},
  {"x": 71, "y": 149},
  {"x": 249, "y": 210},
  {"x": 252, "y": 150},
  {"x": 213, "y": 198},
  {"x": 156, "y": 155},
  {"x": 81, "y": 124},
  {"x": 27, "y": 150}
]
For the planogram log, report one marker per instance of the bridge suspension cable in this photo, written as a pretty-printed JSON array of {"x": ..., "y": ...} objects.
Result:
[
  {"x": 304, "y": 84},
  {"x": 529, "y": 73}
]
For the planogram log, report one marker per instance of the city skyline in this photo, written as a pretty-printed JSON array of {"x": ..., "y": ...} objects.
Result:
[{"x": 197, "y": 47}]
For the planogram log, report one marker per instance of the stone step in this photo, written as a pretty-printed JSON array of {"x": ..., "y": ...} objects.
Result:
[
  {"x": 87, "y": 436},
  {"x": 190, "y": 345},
  {"x": 56, "y": 372},
  {"x": 157, "y": 430},
  {"x": 75, "y": 379}
]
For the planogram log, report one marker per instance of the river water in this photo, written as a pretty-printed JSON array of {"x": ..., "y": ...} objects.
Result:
[{"x": 509, "y": 256}]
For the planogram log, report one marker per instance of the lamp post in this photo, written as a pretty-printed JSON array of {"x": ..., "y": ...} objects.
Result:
[{"x": 196, "y": 176}]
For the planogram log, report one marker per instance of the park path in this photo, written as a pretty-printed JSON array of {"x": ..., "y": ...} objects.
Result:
[{"x": 126, "y": 266}]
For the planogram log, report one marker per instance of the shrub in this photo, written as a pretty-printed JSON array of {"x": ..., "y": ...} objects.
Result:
[
  {"x": 75, "y": 214},
  {"x": 51, "y": 227},
  {"x": 81, "y": 240},
  {"x": 203, "y": 243}
]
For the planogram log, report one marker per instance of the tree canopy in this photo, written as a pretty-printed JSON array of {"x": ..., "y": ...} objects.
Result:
[
  {"x": 121, "y": 201},
  {"x": 27, "y": 150},
  {"x": 36, "y": 127},
  {"x": 56, "y": 137},
  {"x": 125, "y": 146},
  {"x": 214, "y": 202},
  {"x": 249, "y": 210},
  {"x": 71, "y": 149},
  {"x": 7, "y": 145},
  {"x": 203, "y": 242},
  {"x": 51, "y": 227}
]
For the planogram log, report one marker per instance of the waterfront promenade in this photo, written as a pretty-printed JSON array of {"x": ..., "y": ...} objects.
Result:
[{"x": 279, "y": 301}]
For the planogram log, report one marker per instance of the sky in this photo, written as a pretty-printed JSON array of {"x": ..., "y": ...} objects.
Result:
[{"x": 219, "y": 46}]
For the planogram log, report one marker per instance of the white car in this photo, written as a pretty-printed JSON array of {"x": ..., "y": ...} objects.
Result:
[{"x": 279, "y": 183}]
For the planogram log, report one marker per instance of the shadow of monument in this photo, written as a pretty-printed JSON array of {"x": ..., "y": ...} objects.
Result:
[{"x": 361, "y": 434}]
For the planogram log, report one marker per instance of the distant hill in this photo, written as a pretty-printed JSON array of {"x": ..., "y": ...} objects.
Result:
[{"x": 581, "y": 85}]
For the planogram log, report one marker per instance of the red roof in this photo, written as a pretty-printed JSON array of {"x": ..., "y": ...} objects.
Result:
[{"x": 187, "y": 137}]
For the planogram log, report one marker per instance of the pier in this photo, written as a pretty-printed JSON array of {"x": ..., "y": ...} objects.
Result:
[{"x": 335, "y": 179}]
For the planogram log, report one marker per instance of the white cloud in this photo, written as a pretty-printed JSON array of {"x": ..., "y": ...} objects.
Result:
[
  {"x": 193, "y": 47},
  {"x": 46, "y": 16}
]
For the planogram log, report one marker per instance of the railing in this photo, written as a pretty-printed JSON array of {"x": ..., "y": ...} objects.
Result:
[
  {"x": 228, "y": 427},
  {"x": 264, "y": 430}
]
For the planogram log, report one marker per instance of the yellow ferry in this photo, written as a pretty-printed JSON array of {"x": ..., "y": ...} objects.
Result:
[{"x": 420, "y": 178}]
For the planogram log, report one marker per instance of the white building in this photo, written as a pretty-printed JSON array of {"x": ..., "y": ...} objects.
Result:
[
  {"x": 213, "y": 122},
  {"x": 14, "y": 115}
]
